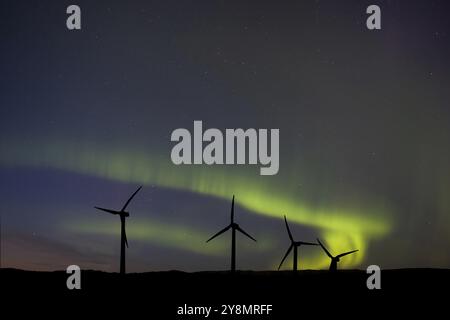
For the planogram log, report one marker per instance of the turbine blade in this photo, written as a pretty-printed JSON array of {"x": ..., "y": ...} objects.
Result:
[
  {"x": 107, "y": 210},
  {"x": 308, "y": 243},
  {"x": 245, "y": 233},
  {"x": 325, "y": 249},
  {"x": 132, "y": 196},
  {"x": 285, "y": 256},
  {"x": 288, "y": 230},
  {"x": 219, "y": 233},
  {"x": 126, "y": 240},
  {"x": 232, "y": 210},
  {"x": 346, "y": 253}
]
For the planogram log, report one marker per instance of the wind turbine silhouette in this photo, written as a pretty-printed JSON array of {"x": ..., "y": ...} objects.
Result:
[
  {"x": 123, "y": 235},
  {"x": 334, "y": 260},
  {"x": 295, "y": 245},
  {"x": 233, "y": 226}
]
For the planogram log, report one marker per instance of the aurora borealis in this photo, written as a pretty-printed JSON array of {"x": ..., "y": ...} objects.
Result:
[{"x": 86, "y": 116}]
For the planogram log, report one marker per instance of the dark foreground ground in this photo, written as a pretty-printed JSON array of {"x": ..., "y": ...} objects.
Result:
[{"x": 159, "y": 295}]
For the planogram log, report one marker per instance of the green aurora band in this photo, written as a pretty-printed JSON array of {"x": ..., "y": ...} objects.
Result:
[
  {"x": 150, "y": 230},
  {"x": 342, "y": 227}
]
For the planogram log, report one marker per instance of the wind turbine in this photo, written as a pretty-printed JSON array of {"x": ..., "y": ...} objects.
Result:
[
  {"x": 295, "y": 245},
  {"x": 334, "y": 260},
  {"x": 123, "y": 235},
  {"x": 233, "y": 226}
]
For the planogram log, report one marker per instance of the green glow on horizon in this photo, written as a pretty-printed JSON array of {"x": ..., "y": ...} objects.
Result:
[
  {"x": 163, "y": 234},
  {"x": 342, "y": 227},
  {"x": 180, "y": 237}
]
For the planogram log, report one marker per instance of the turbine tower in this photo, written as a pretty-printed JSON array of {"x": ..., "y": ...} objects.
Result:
[
  {"x": 233, "y": 226},
  {"x": 295, "y": 245},
  {"x": 334, "y": 260},
  {"x": 123, "y": 235}
]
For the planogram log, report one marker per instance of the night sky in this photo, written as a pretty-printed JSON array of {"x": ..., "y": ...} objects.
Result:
[{"x": 86, "y": 117}]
